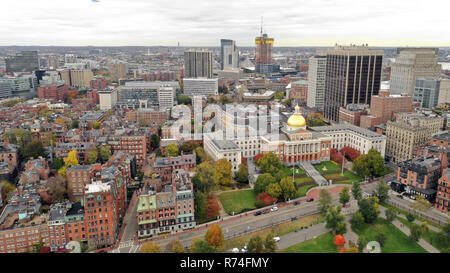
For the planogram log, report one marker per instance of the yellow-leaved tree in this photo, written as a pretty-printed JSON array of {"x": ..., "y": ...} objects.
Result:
[{"x": 69, "y": 161}]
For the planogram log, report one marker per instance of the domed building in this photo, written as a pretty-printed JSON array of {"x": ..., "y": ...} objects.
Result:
[{"x": 296, "y": 143}]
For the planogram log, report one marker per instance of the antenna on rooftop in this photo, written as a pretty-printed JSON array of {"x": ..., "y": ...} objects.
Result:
[{"x": 261, "y": 25}]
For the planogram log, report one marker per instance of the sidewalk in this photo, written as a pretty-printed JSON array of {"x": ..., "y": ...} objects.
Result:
[
  {"x": 300, "y": 236},
  {"x": 427, "y": 246}
]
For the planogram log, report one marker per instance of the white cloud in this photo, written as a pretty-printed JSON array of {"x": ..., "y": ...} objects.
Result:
[{"x": 290, "y": 22}]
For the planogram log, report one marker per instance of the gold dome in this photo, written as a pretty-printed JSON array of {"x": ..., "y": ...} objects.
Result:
[{"x": 296, "y": 120}]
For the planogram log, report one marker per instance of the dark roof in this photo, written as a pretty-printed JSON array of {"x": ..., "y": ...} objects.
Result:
[{"x": 75, "y": 209}]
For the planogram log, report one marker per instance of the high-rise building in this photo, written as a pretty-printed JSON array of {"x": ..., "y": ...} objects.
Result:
[
  {"x": 426, "y": 91},
  {"x": 70, "y": 59},
  {"x": 229, "y": 54},
  {"x": 77, "y": 77},
  {"x": 5, "y": 89},
  {"x": 316, "y": 82},
  {"x": 263, "y": 54},
  {"x": 384, "y": 105},
  {"x": 353, "y": 75},
  {"x": 118, "y": 71},
  {"x": 444, "y": 91},
  {"x": 410, "y": 64},
  {"x": 198, "y": 63},
  {"x": 26, "y": 61},
  {"x": 166, "y": 97},
  {"x": 53, "y": 62}
]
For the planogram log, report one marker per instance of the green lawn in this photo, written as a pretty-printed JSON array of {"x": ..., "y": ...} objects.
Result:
[
  {"x": 397, "y": 241},
  {"x": 238, "y": 200},
  {"x": 349, "y": 177},
  {"x": 386, "y": 205},
  {"x": 297, "y": 172},
  {"x": 331, "y": 166},
  {"x": 322, "y": 244},
  {"x": 431, "y": 237},
  {"x": 301, "y": 191}
]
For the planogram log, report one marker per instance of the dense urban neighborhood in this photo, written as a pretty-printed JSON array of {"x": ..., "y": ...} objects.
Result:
[{"x": 264, "y": 149}]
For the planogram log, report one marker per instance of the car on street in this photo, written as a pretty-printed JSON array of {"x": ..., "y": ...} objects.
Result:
[
  {"x": 296, "y": 203},
  {"x": 277, "y": 239},
  {"x": 274, "y": 208},
  {"x": 244, "y": 249},
  {"x": 265, "y": 211},
  {"x": 258, "y": 213},
  {"x": 309, "y": 199},
  {"x": 293, "y": 218},
  {"x": 235, "y": 250}
]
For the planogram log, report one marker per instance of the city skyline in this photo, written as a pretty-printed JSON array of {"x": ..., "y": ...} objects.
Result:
[{"x": 140, "y": 23}]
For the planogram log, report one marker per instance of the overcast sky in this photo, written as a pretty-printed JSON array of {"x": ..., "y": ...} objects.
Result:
[{"x": 204, "y": 23}]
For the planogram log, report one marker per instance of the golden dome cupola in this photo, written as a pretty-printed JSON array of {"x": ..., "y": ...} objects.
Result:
[{"x": 296, "y": 120}]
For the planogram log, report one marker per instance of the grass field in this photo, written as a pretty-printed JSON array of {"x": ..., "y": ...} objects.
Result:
[
  {"x": 279, "y": 230},
  {"x": 431, "y": 237},
  {"x": 347, "y": 178},
  {"x": 397, "y": 241},
  {"x": 322, "y": 244},
  {"x": 301, "y": 191},
  {"x": 330, "y": 165},
  {"x": 237, "y": 201}
]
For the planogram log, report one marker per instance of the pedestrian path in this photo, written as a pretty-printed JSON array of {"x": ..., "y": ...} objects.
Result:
[
  {"x": 313, "y": 173},
  {"x": 300, "y": 236},
  {"x": 433, "y": 228},
  {"x": 427, "y": 246}
]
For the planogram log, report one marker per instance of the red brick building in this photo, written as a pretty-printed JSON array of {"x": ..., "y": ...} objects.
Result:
[
  {"x": 443, "y": 192},
  {"x": 352, "y": 116},
  {"x": 299, "y": 90},
  {"x": 54, "y": 92},
  {"x": 98, "y": 83},
  {"x": 165, "y": 166},
  {"x": 384, "y": 105}
]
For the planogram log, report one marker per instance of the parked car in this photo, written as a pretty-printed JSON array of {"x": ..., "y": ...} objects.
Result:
[
  {"x": 265, "y": 211},
  {"x": 258, "y": 213},
  {"x": 235, "y": 250},
  {"x": 274, "y": 208},
  {"x": 296, "y": 203},
  {"x": 293, "y": 218},
  {"x": 277, "y": 239},
  {"x": 309, "y": 199}
]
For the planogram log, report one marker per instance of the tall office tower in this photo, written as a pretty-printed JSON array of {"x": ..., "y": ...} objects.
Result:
[
  {"x": 229, "y": 54},
  {"x": 426, "y": 91},
  {"x": 118, "y": 71},
  {"x": 352, "y": 76},
  {"x": 26, "y": 61},
  {"x": 444, "y": 91},
  {"x": 53, "y": 62},
  {"x": 263, "y": 53},
  {"x": 410, "y": 64},
  {"x": 70, "y": 58},
  {"x": 198, "y": 63},
  {"x": 316, "y": 82},
  {"x": 5, "y": 89},
  {"x": 80, "y": 77}
]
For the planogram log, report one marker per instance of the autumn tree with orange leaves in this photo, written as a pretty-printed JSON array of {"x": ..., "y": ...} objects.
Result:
[
  {"x": 214, "y": 236},
  {"x": 339, "y": 240}
]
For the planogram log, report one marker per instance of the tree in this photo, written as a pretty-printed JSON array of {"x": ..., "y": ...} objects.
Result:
[
  {"x": 200, "y": 202},
  {"x": 19, "y": 137},
  {"x": 315, "y": 119},
  {"x": 175, "y": 247},
  {"x": 105, "y": 153},
  {"x": 256, "y": 245},
  {"x": 75, "y": 124},
  {"x": 92, "y": 156},
  {"x": 7, "y": 190},
  {"x": 150, "y": 247},
  {"x": 410, "y": 217},
  {"x": 369, "y": 209},
  {"x": 356, "y": 191},
  {"x": 184, "y": 99},
  {"x": 242, "y": 174},
  {"x": 350, "y": 153},
  {"x": 421, "y": 203},
  {"x": 223, "y": 171},
  {"x": 339, "y": 240},
  {"x": 48, "y": 139},
  {"x": 287, "y": 102},
  {"x": 324, "y": 201},
  {"x": 274, "y": 190},
  {"x": 270, "y": 163},
  {"x": 172, "y": 149},
  {"x": 376, "y": 163},
  {"x": 154, "y": 141},
  {"x": 202, "y": 156},
  {"x": 357, "y": 220},
  {"x": 344, "y": 196},
  {"x": 224, "y": 99},
  {"x": 362, "y": 243},
  {"x": 205, "y": 177},
  {"x": 71, "y": 159},
  {"x": 34, "y": 149},
  {"x": 382, "y": 190},
  {"x": 212, "y": 208},
  {"x": 57, "y": 188},
  {"x": 337, "y": 157},
  {"x": 287, "y": 188},
  {"x": 262, "y": 182},
  {"x": 335, "y": 220},
  {"x": 390, "y": 214},
  {"x": 201, "y": 246},
  {"x": 416, "y": 232},
  {"x": 58, "y": 163},
  {"x": 279, "y": 96},
  {"x": 270, "y": 246},
  {"x": 264, "y": 199},
  {"x": 214, "y": 236},
  {"x": 361, "y": 166},
  {"x": 381, "y": 238}
]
